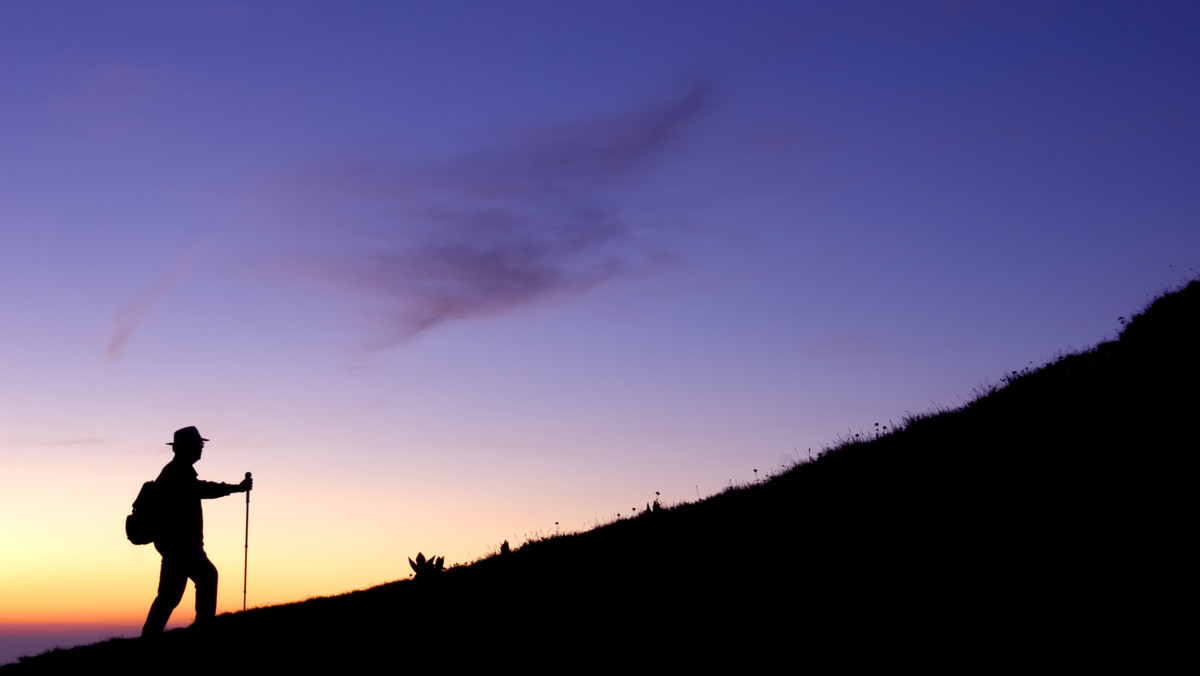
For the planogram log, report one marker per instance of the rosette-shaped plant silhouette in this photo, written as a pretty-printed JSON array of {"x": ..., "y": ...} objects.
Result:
[{"x": 426, "y": 568}]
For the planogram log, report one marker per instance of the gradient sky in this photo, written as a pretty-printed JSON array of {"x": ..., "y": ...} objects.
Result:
[{"x": 443, "y": 274}]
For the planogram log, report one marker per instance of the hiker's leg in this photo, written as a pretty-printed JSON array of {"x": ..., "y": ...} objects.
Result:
[
  {"x": 172, "y": 579},
  {"x": 204, "y": 574}
]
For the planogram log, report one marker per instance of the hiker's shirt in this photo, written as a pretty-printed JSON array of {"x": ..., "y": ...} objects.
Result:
[{"x": 182, "y": 516}]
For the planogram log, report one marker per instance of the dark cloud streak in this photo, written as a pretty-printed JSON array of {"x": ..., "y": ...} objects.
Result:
[
  {"x": 500, "y": 228},
  {"x": 580, "y": 155}
]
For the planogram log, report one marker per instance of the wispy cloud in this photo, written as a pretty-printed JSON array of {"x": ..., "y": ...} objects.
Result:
[
  {"x": 129, "y": 315},
  {"x": 498, "y": 228}
]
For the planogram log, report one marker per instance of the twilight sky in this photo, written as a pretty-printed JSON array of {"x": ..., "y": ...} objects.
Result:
[{"x": 443, "y": 274}]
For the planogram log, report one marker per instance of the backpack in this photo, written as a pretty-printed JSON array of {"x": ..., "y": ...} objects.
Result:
[{"x": 142, "y": 525}]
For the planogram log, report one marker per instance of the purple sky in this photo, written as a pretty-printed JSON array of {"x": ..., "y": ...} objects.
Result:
[{"x": 444, "y": 274}]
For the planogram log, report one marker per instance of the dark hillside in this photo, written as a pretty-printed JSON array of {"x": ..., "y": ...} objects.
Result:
[{"x": 1045, "y": 521}]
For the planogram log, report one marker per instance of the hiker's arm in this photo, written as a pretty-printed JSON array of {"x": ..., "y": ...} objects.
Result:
[{"x": 213, "y": 489}]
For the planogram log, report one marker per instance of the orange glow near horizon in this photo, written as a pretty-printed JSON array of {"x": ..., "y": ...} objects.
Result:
[{"x": 67, "y": 563}]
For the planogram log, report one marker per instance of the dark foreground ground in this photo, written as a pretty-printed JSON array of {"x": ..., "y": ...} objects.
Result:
[{"x": 1046, "y": 524}]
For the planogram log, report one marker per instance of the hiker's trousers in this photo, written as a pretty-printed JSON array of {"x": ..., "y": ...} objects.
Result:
[{"x": 179, "y": 564}]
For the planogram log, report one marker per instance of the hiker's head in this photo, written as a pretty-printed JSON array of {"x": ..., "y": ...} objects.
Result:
[{"x": 188, "y": 443}]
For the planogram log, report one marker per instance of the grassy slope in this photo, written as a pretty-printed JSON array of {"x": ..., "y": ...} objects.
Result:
[{"x": 1046, "y": 520}]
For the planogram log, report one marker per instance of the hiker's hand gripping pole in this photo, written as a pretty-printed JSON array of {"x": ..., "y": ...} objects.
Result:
[{"x": 246, "y": 557}]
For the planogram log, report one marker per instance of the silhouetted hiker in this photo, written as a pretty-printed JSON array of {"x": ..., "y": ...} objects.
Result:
[{"x": 180, "y": 535}]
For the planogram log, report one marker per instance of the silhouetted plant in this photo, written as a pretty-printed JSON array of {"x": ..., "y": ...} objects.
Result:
[
  {"x": 504, "y": 548},
  {"x": 427, "y": 567}
]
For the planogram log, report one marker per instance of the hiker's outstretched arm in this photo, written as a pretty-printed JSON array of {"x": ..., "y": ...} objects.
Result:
[{"x": 214, "y": 489}]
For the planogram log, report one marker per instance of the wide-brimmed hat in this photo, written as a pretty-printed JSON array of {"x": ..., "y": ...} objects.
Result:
[{"x": 186, "y": 435}]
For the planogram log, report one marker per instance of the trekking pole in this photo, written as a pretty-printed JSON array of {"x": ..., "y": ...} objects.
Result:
[{"x": 246, "y": 557}]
